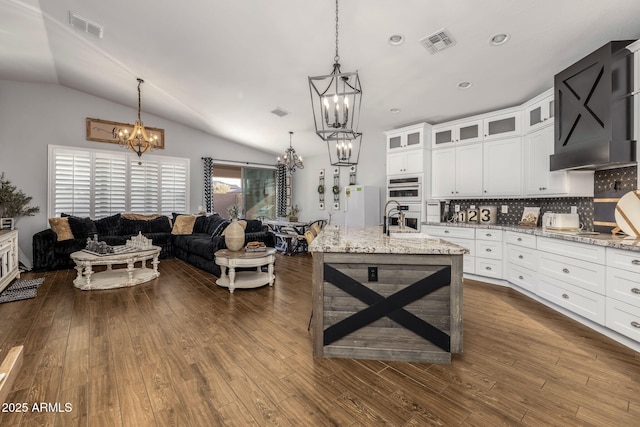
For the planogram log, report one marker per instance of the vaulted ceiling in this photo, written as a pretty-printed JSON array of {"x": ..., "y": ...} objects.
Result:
[{"x": 222, "y": 66}]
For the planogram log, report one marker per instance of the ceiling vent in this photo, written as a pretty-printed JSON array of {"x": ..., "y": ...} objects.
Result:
[
  {"x": 437, "y": 41},
  {"x": 279, "y": 112},
  {"x": 85, "y": 25}
]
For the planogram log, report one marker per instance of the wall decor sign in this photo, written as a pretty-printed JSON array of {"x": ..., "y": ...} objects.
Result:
[{"x": 106, "y": 131}]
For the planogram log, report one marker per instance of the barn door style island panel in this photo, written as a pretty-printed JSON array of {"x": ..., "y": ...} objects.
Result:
[{"x": 396, "y": 297}]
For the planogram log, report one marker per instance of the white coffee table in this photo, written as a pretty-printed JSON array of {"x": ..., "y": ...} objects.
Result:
[
  {"x": 245, "y": 279},
  {"x": 87, "y": 279}
]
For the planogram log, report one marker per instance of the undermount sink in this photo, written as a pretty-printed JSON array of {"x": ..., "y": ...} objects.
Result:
[{"x": 411, "y": 236}]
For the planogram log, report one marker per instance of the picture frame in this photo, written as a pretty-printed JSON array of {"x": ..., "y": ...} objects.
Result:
[
  {"x": 105, "y": 131},
  {"x": 530, "y": 217}
]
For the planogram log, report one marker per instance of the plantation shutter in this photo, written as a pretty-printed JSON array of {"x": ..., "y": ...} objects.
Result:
[
  {"x": 110, "y": 188},
  {"x": 173, "y": 185},
  {"x": 100, "y": 183},
  {"x": 144, "y": 187},
  {"x": 72, "y": 183}
]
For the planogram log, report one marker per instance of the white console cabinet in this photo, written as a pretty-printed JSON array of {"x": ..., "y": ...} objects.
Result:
[{"x": 8, "y": 257}]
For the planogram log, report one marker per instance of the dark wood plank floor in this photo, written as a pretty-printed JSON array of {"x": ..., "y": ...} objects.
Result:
[{"x": 181, "y": 351}]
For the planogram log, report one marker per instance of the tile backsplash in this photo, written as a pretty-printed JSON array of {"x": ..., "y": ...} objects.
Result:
[
  {"x": 515, "y": 208},
  {"x": 609, "y": 186},
  {"x": 595, "y": 213}
]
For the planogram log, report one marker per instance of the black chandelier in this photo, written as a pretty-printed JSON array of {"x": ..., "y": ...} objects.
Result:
[
  {"x": 290, "y": 159},
  {"x": 336, "y": 100}
]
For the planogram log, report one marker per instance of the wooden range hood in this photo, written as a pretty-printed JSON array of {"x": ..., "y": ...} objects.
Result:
[{"x": 594, "y": 111}]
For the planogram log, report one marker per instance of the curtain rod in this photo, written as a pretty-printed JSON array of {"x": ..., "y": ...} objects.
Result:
[{"x": 237, "y": 163}]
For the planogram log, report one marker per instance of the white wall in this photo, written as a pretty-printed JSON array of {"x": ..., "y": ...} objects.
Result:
[
  {"x": 371, "y": 170},
  {"x": 32, "y": 116}
]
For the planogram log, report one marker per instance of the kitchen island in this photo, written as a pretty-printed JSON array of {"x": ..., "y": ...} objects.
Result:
[{"x": 381, "y": 297}]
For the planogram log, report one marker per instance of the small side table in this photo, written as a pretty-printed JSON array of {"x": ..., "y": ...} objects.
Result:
[{"x": 245, "y": 279}]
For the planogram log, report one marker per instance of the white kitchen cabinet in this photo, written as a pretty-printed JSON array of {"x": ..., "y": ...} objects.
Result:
[
  {"x": 502, "y": 167},
  {"x": 469, "y": 170},
  {"x": 522, "y": 260},
  {"x": 572, "y": 275},
  {"x": 488, "y": 252},
  {"x": 504, "y": 125},
  {"x": 444, "y": 136},
  {"x": 443, "y": 173},
  {"x": 408, "y": 138},
  {"x": 539, "y": 180},
  {"x": 460, "y": 236},
  {"x": 539, "y": 112},
  {"x": 623, "y": 292},
  {"x": 457, "y": 172},
  {"x": 405, "y": 162},
  {"x": 587, "y": 304}
]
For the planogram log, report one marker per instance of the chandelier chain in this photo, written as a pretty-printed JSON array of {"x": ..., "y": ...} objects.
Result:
[
  {"x": 337, "y": 57},
  {"x": 140, "y": 81}
]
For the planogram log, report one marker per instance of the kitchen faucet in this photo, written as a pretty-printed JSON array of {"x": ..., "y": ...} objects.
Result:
[{"x": 385, "y": 227}]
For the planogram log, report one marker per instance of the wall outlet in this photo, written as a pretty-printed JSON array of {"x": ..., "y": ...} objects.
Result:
[
  {"x": 574, "y": 209},
  {"x": 457, "y": 208},
  {"x": 373, "y": 274},
  {"x": 505, "y": 209}
]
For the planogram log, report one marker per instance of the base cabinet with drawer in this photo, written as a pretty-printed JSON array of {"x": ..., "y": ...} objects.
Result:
[
  {"x": 623, "y": 292},
  {"x": 522, "y": 260},
  {"x": 464, "y": 237},
  {"x": 572, "y": 275},
  {"x": 489, "y": 253},
  {"x": 597, "y": 286}
]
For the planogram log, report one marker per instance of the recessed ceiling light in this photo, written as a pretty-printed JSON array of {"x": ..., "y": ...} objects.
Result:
[
  {"x": 395, "y": 110},
  {"x": 396, "y": 39},
  {"x": 464, "y": 85},
  {"x": 499, "y": 39}
]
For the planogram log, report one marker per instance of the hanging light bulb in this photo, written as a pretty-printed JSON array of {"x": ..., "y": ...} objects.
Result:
[{"x": 290, "y": 159}]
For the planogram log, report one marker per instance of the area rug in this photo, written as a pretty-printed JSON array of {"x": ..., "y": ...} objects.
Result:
[{"x": 20, "y": 290}]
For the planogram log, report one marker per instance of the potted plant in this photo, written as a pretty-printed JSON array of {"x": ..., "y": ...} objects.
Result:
[
  {"x": 293, "y": 213},
  {"x": 13, "y": 202},
  {"x": 233, "y": 211}
]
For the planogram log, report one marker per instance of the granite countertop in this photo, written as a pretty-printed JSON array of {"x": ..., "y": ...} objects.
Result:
[
  {"x": 371, "y": 240},
  {"x": 603, "y": 239}
]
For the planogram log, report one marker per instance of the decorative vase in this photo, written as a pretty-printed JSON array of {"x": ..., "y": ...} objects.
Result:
[{"x": 234, "y": 236}]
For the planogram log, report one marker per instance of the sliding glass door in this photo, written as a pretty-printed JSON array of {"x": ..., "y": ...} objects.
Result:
[
  {"x": 259, "y": 190},
  {"x": 253, "y": 189}
]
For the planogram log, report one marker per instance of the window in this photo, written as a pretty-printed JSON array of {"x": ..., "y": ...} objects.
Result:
[
  {"x": 251, "y": 188},
  {"x": 99, "y": 183}
]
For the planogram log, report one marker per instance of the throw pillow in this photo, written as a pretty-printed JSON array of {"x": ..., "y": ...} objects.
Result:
[
  {"x": 161, "y": 224},
  {"x": 81, "y": 227},
  {"x": 108, "y": 226},
  {"x": 60, "y": 226},
  {"x": 243, "y": 224},
  {"x": 141, "y": 217},
  {"x": 183, "y": 224},
  {"x": 220, "y": 228},
  {"x": 133, "y": 226}
]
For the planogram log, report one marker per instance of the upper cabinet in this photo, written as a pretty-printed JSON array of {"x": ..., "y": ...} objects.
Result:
[
  {"x": 504, "y": 125},
  {"x": 411, "y": 161},
  {"x": 408, "y": 138},
  {"x": 486, "y": 127},
  {"x": 464, "y": 132},
  {"x": 538, "y": 112}
]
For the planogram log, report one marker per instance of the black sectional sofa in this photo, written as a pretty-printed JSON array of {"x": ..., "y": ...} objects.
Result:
[{"x": 197, "y": 248}]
